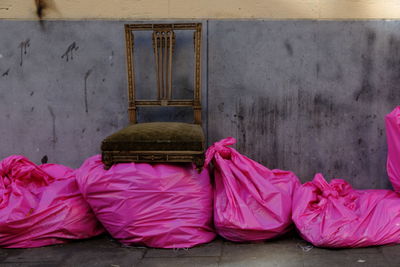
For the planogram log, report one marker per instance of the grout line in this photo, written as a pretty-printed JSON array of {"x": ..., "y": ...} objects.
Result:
[
  {"x": 139, "y": 262},
  {"x": 144, "y": 253},
  {"x": 221, "y": 253},
  {"x": 181, "y": 257}
]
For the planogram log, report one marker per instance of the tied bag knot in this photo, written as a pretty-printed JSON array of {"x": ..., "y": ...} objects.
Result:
[
  {"x": 18, "y": 169},
  {"x": 337, "y": 188},
  {"x": 220, "y": 147},
  {"x": 330, "y": 193}
]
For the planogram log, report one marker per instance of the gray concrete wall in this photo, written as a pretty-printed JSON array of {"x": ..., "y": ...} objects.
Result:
[{"x": 308, "y": 96}]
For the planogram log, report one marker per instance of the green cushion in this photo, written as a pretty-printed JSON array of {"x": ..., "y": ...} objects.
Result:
[{"x": 156, "y": 136}]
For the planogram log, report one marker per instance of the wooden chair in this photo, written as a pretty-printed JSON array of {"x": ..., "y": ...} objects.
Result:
[{"x": 159, "y": 141}]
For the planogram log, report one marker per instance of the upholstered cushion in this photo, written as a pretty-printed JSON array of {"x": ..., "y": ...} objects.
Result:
[{"x": 156, "y": 136}]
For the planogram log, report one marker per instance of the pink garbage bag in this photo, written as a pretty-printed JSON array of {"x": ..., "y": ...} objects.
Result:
[
  {"x": 157, "y": 205},
  {"x": 251, "y": 202},
  {"x": 41, "y": 205},
  {"x": 393, "y": 140},
  {"x": 335, "y": 215}
]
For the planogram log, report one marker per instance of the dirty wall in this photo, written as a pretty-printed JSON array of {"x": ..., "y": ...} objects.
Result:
[{"x": 309, "y": 96}]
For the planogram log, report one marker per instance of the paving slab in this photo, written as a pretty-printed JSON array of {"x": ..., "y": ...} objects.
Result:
[
  {"x": 311, "y": 250},
  {"x": 115, "y": 257},
  {"x": 181, "y": 262},
  {"x": 283, "y": 252},
  {"x": 391, "y": 254},
  {"x": 101, "y": 251},
  {"x": 212, "y": 249},
  {"x": 98, "y": 251},
  {"x": 45, "y": 256},
  {"x": 343, "y": 259}
]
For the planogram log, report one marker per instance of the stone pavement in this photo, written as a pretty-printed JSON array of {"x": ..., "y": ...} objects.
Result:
[{"x": 287, "y": 251}]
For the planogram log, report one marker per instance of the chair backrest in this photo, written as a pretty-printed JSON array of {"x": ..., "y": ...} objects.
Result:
[{"x": 163, "y": 38}]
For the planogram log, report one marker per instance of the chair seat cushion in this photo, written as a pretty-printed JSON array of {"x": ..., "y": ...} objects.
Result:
[{"x": 156, "y": 136}]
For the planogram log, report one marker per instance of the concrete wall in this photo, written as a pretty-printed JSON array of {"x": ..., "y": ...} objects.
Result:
[
  {"x": 45, "y": 75},
  {"x": 306, "y": 96},
  {"x": 309, "y": 96}
]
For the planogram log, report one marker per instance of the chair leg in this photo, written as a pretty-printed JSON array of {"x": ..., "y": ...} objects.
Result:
[
  {"x": 107, "y": 160},
  {"x": 199, "y": 162},
  {"x": 107, "y": 166}
]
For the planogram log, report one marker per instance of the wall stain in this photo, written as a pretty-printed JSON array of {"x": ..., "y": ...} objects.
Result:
[
  {"x": 288, "y": 47},
  {"x": 23, "y": 46},
  {"x": 69, "y": 53},
  {"x": 393, "y": 70},
  {"x": 380, "y": 131},
  {"x": 331, "y": 71},
  {"x": 257, "y": 122},
  {"x": 32, "y": 93},
  {"x": 324, "y": 107},
  {"x": 180, "y": 115},
  {"x": 337, "y": 165},
  {"x": 319, "y": 109},
  {"x": 364, "y": 127},
  {"x": 111, "y": 58},
  {"x": 185, "y": 86},
  {"x": 41, "y": 7},
  {"x": 367, "y": 90},
  {"x": 44, "y": 159},
  {"x": 6, "y": 72},
  {"x": 241, "y": 129},
  {"x": 87, "y": 74},
  {"x": 53, "y": 121},
  {"x": 339, "y": 73},
  {"x": 221, "y": 107}
]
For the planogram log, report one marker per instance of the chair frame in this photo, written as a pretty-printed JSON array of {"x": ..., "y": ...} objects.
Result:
[
  {"x": 162, "y": 99},
  {"x": 163, "y": 41}
]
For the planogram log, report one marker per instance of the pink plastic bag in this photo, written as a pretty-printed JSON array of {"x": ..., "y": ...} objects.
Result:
[
  {"x": 157, "y": 205},
  {"x": 41, "y": 205},
  {"x": 251, "y": 202},
  {"x": 393, "y": 140},
  {"x": 335, "y": 215}
]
